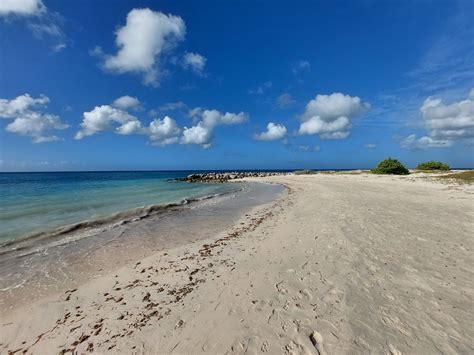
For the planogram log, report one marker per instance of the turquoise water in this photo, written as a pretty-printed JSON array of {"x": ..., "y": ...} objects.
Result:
[{"x": 32, "y": 203}]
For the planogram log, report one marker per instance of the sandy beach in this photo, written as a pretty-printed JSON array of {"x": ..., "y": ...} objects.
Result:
[{"x": 337, "y": 264}]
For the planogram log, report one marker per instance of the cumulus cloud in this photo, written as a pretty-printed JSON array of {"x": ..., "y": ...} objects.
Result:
[
  {"x": 194, "y": 62},
  {"x": 202, "y": 132},
  {"x": 449, "y": 122},
  {"x": 142, "y": 41},
  {"x": 22, "y": 7},
  {"x": 126, "y": 102},
  {"x": 273, "y": 132},
  {"x": 213, "y": 118},
  {"x": 28, "y": 118},
  {"x": 163, "y": 132},
  {"x": 129, "y": 127},
  {"x": 198, "y": 134},
  {"x": 108, "y": 118},
  {"x": 115, "y": 118},
  {"x": 445, "y": 123},
  {"x": 20, "y": 104},
  {"x": 160, "y": 132},
  {"x": 330, "y": 115}
]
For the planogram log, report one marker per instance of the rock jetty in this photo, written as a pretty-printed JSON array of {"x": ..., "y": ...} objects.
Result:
[{"x": 226, "y": 176}]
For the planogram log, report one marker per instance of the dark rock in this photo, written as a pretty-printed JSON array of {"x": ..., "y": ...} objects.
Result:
[{"x": 222, "y": 177}]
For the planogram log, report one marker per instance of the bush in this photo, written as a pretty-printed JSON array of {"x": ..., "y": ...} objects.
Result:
[
  {"x": 390, "y": 166},
  {"x": 433, "y": 165}
]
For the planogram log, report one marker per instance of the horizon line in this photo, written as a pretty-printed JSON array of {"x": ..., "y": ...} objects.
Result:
[{"x": 184, "y": 170}]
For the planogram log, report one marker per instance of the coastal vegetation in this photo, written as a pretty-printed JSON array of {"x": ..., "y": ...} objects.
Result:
[
  {"x": 433, "y": 165},
  {"x": 466, "y": 177},
  {"x": 390, "y": 166}
]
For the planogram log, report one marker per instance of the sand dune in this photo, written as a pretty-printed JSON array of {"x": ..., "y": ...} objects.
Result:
[{"x": 340, "y": 263}]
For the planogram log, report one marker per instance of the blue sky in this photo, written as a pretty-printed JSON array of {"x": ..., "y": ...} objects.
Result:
[{"x": 234, "y": 85}]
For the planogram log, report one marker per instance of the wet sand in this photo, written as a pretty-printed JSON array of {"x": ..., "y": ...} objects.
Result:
[
  {"x": 38, "y": 267},
  {"x": 339, "y": 263}
]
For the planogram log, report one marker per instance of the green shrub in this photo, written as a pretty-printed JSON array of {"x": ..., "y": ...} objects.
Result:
[
  {"x": 390, "y": 166},
  {"x": 433, "y": 165}
]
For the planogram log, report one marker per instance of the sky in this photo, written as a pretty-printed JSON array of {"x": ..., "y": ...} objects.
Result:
[{"x": 179, "y": 85}]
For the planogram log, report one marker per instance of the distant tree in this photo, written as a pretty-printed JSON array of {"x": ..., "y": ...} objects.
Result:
[
  {"x": 390, "y": 166},
  {"x": 433, "y": 165}
]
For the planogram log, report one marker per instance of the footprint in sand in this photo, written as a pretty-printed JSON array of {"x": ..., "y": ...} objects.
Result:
[
  {"x": 317, "y": 341},
  {"x": 248, "y": 346},
  {"x": 295, "y": 348},
  {"x": 334, "y": 296},
  {"x": 281, "y": 287},
  {"x": 252, "y": 346},
  {"x": 392, "y": 350}
]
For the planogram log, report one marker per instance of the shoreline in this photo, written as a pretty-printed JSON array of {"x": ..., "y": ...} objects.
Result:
[
  {"x": 339, "y": 263},
  {"x": 40, "y": 265},
  {"x": 117, "y": 218}
]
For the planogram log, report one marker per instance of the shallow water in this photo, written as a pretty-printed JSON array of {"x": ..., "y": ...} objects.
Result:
[
  {"x": 33, "y": 203},
  {"x": 41, "y": 266}
]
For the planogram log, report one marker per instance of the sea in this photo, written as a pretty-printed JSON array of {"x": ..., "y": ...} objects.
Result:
[
  {"x": 36, "y": 203},
  {"x": 58, "y": 229}
]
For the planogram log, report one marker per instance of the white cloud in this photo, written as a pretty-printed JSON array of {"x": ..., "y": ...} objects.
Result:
[
  {"x": 284, "y": 101},
  {"x": 330, "y": 115},
  {"x": 41, "y": 22},
  {"x": 198, "y": 134},
  {"x": 21, "y": 7},
  {"x": 370, "y": 146},
  {"x": 20, "y": 104},
  {"x": 300, "y": 66},
  {"x": 142, "y": 41},
  {"x": 163, "y": 132},
  {"x": 29, "y": 120},
  {"x": 194, "y": 62},
  {"x": 259, "y": 90},
  {"x": 201, "y": 133},
  {"x": 126, "y": 102},
  {"x": 449, "y": 122},
  {"x": 308, "y": 148},
  {"x": 273, "y": 132},
  {"x": 411, "y": 142},
  {"x": 40, "y": 30},
  {"x": 160, "y": 132},
  {"x": 117, "y": 119},
  {"x": 129, "y": 127},
  {"x": 173, "y": 106},
  {"x": 445, "y": 124},
  {"x": 106, "y": 118},
  {"x": 213, "y": 118},
  {"x": 58, "y": 47}
]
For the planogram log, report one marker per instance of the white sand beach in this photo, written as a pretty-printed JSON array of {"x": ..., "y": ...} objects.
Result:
[{"x": 338, "y": 264}]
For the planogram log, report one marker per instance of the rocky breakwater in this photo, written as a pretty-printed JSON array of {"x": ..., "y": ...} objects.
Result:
[{"x": 225, "y": 177}]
